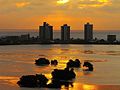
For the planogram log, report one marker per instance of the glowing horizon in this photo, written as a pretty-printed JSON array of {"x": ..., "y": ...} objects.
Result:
[{"x": 30, "y": 14}]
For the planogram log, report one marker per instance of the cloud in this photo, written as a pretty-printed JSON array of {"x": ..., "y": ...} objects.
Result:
[
  {"x": 94, "y": 3},
  {"x": 62, "y": 1},
  {"x": 22, "y": 4},
  {"x": 85, "y": 3},
  {"x": 68, "y": 11}
]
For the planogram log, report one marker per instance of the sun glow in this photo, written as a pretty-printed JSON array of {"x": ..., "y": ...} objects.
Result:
[
  {"x": 62, "y": 1},
  {"x": 94, "y": 3},
  {"x": 22, "y": 4},
  {"x": 85, "y": 3}
]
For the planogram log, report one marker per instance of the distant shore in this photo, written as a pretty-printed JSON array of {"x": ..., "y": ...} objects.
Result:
[{"x": 62, "y": 43}]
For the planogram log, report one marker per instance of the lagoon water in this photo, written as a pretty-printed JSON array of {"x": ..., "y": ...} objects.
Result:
[{"x": 18, "y": 60}]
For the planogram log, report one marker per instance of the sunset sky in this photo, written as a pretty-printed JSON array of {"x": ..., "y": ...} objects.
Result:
[{"x": 29, "y": 14}]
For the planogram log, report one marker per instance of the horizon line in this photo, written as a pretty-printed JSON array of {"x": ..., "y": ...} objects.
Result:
[{"x": 12, "y": 29}]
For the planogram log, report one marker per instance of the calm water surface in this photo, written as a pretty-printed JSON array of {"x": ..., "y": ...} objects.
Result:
[{"x": 18, "y": 60}]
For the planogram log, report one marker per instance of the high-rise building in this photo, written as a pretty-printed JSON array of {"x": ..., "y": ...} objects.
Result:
[
  {"x": 88, "y": 32},
  {"x": 65, "y": 32},
  {"x": 46, "y": 32}
]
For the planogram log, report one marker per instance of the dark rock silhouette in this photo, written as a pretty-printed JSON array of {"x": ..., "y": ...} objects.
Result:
[
  {"x": 59, "y": 84},
  {"x": 75, "y": 63},
  {"x": 65, "y": 74},
  {"x": 54, "y": 62},
  {"x": 88, "y": 65},
  {"x": 42, "y": 61},
  {"x": 54, "y": 84},
  {"x": 33, "y": 81}
]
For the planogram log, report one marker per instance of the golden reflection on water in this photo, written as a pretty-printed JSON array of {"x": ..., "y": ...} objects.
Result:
[
  {"x": 79, "y": 86},
  {"x": 89, "y": 87},
  {"x": 20, "y": 61}
]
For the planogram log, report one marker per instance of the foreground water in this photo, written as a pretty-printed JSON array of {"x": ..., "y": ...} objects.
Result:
[{"x": 18, "y": 60}]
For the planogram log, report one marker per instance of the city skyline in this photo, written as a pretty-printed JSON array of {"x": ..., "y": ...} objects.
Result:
[
  {"x": 24, "y": 14},
  {"x": 46, "y": 36}
]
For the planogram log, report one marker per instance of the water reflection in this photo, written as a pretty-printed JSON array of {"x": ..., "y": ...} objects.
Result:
[
  {"x": 16, "y": 61},
  {"x": 59, "y": 84},
  {"x": 89, "y": 87},
  {"x": 88, "y": 52},
  {"x": 9, "y": 80},
  {"x": 88, "y": 73},
  {"x": 79, "y": 86},
  {"x": 114, "y": 53}
]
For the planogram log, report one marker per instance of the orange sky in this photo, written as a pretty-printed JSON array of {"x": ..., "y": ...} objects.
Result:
[{"x": 29, "y": 14}]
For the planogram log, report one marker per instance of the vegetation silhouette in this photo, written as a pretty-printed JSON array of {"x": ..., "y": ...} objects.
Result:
[
  {"x": 89, "y": 66},
  {"x": 54, "y": 62},
  {"x": 37, "y": 80},
  {"x": 42, "y": 62},
  {"x": 75, "y": 63},
  {"x": 65, "y": 74}
]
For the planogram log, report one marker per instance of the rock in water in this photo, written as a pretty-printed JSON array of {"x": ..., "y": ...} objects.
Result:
[
  {"x": 75, "y": 63},
  {"x": 65, "y": 74},
  {"x": 42, "y": 61},
  {"x": 54, "y": 62},
  {"x": 37, "y": 80},
  {"x": 88, "y": 65}
]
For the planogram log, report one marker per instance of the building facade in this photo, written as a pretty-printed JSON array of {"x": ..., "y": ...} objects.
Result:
[
  {"x": 25, "y": 37},
  {"x": 88, "y": 32},
  {"x": 65, "y": 32},
  {"x": 111, "y": 38},
  {"x": 46, "y": 32}
]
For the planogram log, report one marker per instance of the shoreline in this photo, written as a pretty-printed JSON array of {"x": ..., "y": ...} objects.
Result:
[{"x": 62, "y": 44}]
